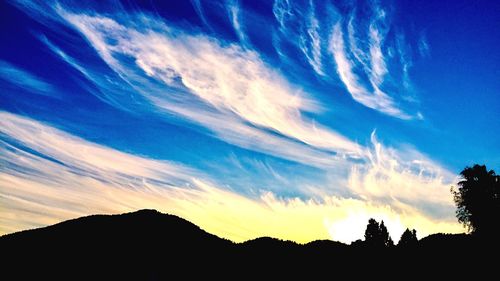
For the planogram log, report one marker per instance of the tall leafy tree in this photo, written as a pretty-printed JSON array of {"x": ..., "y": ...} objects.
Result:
[
  {"x": 478, "y": 200},
  {"x": 385, "y": 237}
]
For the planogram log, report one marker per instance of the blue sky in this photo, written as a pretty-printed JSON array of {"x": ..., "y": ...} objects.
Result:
[{"x": 248, "y": 118}]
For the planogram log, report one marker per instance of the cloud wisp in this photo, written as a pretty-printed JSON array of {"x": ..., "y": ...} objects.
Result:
[
  {"x": 199, "y": 11},
  {"x": 367, "y": 57},
  {"x": 423, "y": 46},
  {"x": 346, "y": 70},
  {"x": 359, "y": 49},
  {"x": 403, "y": 178},
  {"x": 235, "y": 16},
  {"x": 310, "y": 43},
  {"x": 25, "y": 80},
  {"x": 302, "y": 30}
]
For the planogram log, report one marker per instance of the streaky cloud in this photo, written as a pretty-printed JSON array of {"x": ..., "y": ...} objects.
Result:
[
  {"x": 372, "y": 63},
  {"x": 377, "y": 60},
  {"x": 301, "y": 29},
  {"x": 25, "y": 80},
  {"x": 312, "y": 38},
  {"x": 107, "y": 90},
  {"x": 235, "y": 16},
  {"x": 405, "y": 178},
  {"x": 359, "y": 48},
  {"x": 423, "y": 46},
  {"x": 378, "y": 66},
  {"x": 403, "y": 50},
  {"x": 236, "y": 132},
  {"x": 201, "y": 14},
  {"x": 360, "y": 55},
  {"x": 376, "y": 100},
  {"x": 232, "y": 81},
  {"x": 282, "y": 10}
]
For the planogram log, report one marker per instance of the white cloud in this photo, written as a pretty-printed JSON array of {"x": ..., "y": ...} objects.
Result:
[
  {"x": 378, "y": 66},
  {"x": 376, "y": 100},
  {"x": 344, "y": 67},
  {"x": 360, "y": 60},
  {"x": 301, "y": 29},
  {"x": 60, "y": 176},
  {"x": 233, "y": 130},
  {"x": 361, "y": 56},
  {"x": 234, "y": 15},
  {"x": 404, "y": 178},
  {"x": 233, "y": 81},
  {"x": 310, "y": 42},
  {"x": 363, "y": 67},
  {"x": 282, "y": 11},
  {"x": 236, "y": 132}
]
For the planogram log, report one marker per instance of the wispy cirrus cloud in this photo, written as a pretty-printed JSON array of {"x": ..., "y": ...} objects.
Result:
[
  {"x": 310, "y": 43},
  {"x": 300, "y": 29},
  {"x": 405, "y": 179},
  {"x": 231, "y": 81},
  {"x": 25, "y": 80},
  {"x": 48, "y": 176},
  {"x": 376, "y": 35},
  {"x": 105, "y": 84},
  {"x": 199, "y": 11},
  {"x": 346, "y": 70},
  {"x": 359, "y": 48},
  {"x": 236, "y": 20},
  {"x": 366, "y": 56},
  {"x": 360, "y": 55},
  {"x": 238, "y": 133},
  {"x": 423, "y": 46},
  {"x": 282, "y": 10}
]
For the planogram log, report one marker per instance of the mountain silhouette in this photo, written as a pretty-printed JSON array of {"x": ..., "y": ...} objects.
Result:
[
  {"x": 132, "y": 246},
  {"x": 149, "y": 245}
]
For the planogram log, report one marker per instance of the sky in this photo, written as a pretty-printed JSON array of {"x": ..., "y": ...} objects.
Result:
[{"x": 298, "y": 120}]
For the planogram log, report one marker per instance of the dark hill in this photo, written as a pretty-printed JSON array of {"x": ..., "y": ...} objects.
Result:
[
  {"x": 146, "y": 225},
  {"x": 148, "y": 245},
  {"x": 138, "y": 245}
]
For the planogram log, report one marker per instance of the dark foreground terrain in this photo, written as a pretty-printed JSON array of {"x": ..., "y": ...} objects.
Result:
[{"x": 148, "y": 245}]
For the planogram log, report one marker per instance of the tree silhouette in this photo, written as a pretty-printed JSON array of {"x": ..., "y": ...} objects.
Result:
[
  {"x": 385, "y": 237},
  {"x": 372, "y": 232},
  {"x": 376, "y": 235},
  {"x": 478, "y": 200},
  {"x": 408, "y": 239}
]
